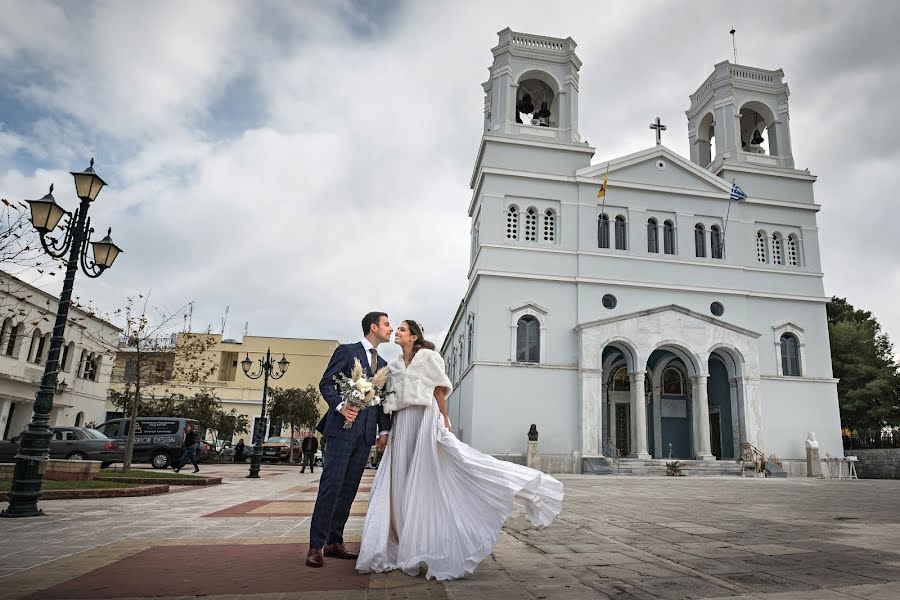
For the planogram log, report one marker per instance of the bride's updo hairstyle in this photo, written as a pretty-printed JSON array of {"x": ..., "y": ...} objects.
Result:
[{"x": 416, "y": 330}]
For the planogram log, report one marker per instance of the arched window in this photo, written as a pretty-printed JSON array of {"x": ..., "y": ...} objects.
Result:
[
  {"x": 672, "y": 382},
  {"x": 64, "y": 359},
  {"x": 531, "y": 224},
  {"x": 777, "y": 257},
  {"x": 790, "y": 355},
  {"x": 528, "y": 340},
  {"x": 669, "y": 237},
  {"x": 761, "y": 251},
  {"x": 12, "y": 340},
  {"x": 6, "y": 331},
  {"x": 512, "y": 222},
  {"x": 791, "y": 250},
  {"x": 38, "y": 344},
  {"x": 715, "y": 241},
  {"x": 699, "y": 240},
  {"x": 549, "y": 225},
  {"x": 652, "y": 236},
  {"x": 620, "y": 233},
  {"x": 603, "y": 231},
  {"x": 621, "y": 382},
  {"x": 79, "y": 419},
  {"x": 470, "y": 337}
]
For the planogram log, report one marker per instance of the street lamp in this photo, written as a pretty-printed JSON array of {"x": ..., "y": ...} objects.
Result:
[
  {"x": 266, "y": 370},
  {"x": 46, "y": 214}
]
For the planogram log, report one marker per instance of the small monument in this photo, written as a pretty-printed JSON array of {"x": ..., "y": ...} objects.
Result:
[
  {"x": 533, "y": 458},
  {"x": 813, "y": 464}
]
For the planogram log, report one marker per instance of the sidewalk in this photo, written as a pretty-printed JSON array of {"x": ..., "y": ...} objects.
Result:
[{"x": 618, "y": 537}]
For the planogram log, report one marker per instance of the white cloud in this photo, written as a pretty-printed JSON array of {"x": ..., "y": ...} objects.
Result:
[{"x": 364, "y": 128}]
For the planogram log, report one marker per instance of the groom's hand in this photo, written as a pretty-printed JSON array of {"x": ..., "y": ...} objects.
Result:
[
  {"x": 382, "y": 442},
  {"x": 349, "y": 413}
]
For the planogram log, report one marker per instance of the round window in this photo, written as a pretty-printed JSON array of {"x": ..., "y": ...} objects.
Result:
[
  {"x": 660, "y": 165},
  {"x": 717, "y": 309},
  {"x": 609, "y": 301}
]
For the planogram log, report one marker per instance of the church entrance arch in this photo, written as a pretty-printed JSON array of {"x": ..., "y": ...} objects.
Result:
[
  {"x": 618, "y": 365},
  {"x": 671, "y": 410},
  {"x": 726, "y": 369}
]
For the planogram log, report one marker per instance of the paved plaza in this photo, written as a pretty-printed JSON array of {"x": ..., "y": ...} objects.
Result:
[{"x": 618, "y": 537}]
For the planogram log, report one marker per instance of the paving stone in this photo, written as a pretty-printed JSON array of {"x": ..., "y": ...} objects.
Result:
[
  {"x": 886, "y": 591},
  {"x": 760, "y": 581},
  {"x": 824, "y": 577},
  {"x": 680, "y": 588}
]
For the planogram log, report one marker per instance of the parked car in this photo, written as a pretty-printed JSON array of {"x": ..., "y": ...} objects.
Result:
[
  {"x": 73, "y": 443},
  {"x": 277, "y": 449},
  {"x": 157, "y": 440}
]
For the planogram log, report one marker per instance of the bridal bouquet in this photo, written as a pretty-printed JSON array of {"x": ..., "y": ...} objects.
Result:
[{"x": 359, "y": 391}]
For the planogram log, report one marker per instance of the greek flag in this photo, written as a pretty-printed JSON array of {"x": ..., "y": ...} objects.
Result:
[{"x": 737, "y": 193}]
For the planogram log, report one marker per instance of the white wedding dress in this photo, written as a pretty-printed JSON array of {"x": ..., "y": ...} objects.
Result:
[{"x": 437, "y": 503}]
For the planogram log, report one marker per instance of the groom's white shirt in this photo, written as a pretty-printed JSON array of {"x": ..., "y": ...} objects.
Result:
[{"x": 367, "y": 346}]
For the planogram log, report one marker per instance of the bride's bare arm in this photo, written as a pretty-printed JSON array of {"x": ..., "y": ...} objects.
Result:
[{"x": 440, "y": 394}]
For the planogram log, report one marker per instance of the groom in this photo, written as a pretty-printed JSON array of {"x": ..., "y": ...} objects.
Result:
[{"x": 348, "y": 449}]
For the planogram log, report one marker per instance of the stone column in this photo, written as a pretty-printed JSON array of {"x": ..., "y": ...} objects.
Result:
[
  {"x": 737, "y": 426},
  {"x": 700, "y": 406},
  {"x": 657, "y": 422},
  {"x": 638, "y": 416},
  {"x": 591, "y": 381}
]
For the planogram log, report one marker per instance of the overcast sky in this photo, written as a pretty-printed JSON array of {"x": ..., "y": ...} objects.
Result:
[{"x": 304, "y": 162}]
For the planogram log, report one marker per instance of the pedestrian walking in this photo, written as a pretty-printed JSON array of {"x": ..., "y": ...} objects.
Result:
[
  {"x": 239, "y": 451},
  {"x": 189, "y": 449},
  {"x": 309, "y": 446}
]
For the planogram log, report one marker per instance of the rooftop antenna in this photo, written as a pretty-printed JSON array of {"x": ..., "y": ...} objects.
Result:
[
  {"x": 246, "y": 328},
  {"x": 733, "y": 44},
  {"x": 188, "y": 317},
  {"x": 225, "y": 319}
]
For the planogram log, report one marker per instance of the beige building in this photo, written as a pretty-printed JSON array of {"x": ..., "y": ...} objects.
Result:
[
  {"x": 308, "y": 358},
  {"x": 27, "y": 315}
]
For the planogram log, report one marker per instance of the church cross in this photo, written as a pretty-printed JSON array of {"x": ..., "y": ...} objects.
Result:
[{"x": 659, "y": 127}]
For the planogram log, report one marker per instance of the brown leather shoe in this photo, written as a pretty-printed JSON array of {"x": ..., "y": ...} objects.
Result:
[
  {"x": 314, "y": 558},
  {"x": 338, "y": 550}
]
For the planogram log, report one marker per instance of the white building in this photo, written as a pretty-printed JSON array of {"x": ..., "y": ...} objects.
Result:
[
  {"x": 27, "y": 315},
  {"x": 633, "y": 322}
]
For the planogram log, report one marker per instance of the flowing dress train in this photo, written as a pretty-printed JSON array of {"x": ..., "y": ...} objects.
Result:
[{"x": 439, "y": 504}]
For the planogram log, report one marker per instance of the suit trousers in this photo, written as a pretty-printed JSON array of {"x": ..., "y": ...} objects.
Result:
[{"x": 338, "y": 485}]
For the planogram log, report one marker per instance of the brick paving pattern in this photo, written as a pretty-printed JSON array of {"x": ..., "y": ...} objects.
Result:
[{"x": 620, "y": 538}]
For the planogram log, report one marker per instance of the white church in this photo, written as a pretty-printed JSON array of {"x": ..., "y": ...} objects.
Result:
[{"x": 660, "y": 321}]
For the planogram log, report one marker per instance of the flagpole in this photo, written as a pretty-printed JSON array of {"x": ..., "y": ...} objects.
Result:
[{"x": 727, "y": 214}]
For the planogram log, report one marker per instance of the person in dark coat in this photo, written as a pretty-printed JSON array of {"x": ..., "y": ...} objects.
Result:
[
  {"x": 309, "y": 446},
  {"x": 239, "y": 451}
]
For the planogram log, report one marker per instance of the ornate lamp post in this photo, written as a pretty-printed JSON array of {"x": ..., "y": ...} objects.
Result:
[
  {"x": 34, "y": 447},
  {"x": 266, "y": 370}
]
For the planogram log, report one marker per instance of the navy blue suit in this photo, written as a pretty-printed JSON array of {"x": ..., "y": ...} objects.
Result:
[{"x": 347, "y": 449}]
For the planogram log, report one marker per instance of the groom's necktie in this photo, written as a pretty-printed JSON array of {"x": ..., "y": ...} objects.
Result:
[{"x": 373, "y": 364}]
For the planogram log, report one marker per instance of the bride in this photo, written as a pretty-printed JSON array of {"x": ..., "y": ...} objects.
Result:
[{"x": 437, "y": 503}]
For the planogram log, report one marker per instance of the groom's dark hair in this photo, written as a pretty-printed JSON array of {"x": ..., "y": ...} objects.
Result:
[{"x": 372, "y": 318}]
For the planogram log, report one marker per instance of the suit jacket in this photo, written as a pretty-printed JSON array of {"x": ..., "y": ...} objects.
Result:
[
  {"x": 310, "y": 444},
  {"x": 370, "y": 420}
]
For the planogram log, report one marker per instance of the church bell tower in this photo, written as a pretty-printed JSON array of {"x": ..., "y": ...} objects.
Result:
[
  {"x": 740, "y": 114},
  {"x": 532, "y": 91}
]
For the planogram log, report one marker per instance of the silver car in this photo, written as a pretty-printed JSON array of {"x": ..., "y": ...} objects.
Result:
[{"x": 73, "y": 443}]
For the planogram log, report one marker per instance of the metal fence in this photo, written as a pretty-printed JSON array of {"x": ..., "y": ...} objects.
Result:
[{"x": 872, "y": 440}]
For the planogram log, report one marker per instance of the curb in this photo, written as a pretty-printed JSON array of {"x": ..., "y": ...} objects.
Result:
[
  {"x": 144, "y": 490},
  {"x": 163, "y": 480}
]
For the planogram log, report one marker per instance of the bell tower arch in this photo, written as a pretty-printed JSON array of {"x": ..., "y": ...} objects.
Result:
[
  {"x": 532, "y": 91},
  {"x": 740, "y": 114}
]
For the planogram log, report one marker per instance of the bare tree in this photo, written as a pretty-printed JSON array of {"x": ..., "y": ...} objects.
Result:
[{"x": 144, "y": 337}]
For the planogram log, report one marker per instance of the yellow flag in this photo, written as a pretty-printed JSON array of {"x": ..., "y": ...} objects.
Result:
[{"x": 601, "y": 193}]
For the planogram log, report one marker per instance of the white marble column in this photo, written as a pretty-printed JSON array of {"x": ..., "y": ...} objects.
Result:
[
  {"x": 737, "y": 421},
  {"x": 657, "y": 422},
  {"x": 638, "y": 416},
  {"x": 591, "y": 381},
  {"x": 700, "y": 405}
]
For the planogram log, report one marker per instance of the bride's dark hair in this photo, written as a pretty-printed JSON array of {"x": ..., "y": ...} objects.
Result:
[{"x": 416, "y": 330}]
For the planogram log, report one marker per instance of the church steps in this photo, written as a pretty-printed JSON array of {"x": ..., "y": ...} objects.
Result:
[{"x": 636, "y": 466}]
